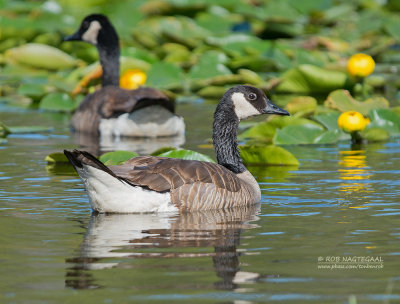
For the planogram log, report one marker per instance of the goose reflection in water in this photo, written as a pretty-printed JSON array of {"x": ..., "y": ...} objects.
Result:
[
  {"x": 128, "y": 236},
  {"x": 99, "y": 145}
]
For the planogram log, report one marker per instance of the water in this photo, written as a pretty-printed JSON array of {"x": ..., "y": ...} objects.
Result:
[{"x": 342, "y": 203}]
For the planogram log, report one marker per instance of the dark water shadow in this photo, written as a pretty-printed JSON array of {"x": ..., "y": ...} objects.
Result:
[{"x": 121, "y": 236}]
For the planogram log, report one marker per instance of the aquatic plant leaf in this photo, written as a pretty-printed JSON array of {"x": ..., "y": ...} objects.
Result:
[
  {"x": 308, "y": 78},
  {"x": 305, "y": 104},
  {"x": 4, "y": 130},
  {"x": 211, "y": 64},
  {"x": 187, "y": 154},
  {"x": 56, "y": 157},
  {"x": 29, "y": 129},
  {"x": 58, "y": 102},
  {"x": 116, "y": 157},
  {"x": 373, "y": 134},
  {"x": 304, "y": 134},
  {"x": 162, "y": 150},
  {"x": 41, "y": 56},
  {"x": 329, "y": 121},
  {"x": 385, "y": 119},
  {"x": 31, "y": 89},
  {"x": 164, "y": 75},
  {"x": 342, "y": 100},
  {"x": 267, "y": 155}
]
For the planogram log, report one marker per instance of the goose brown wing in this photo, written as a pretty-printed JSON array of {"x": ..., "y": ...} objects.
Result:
[
  {"x": 118, "y": 101},
  {"x": 113, "y": 101},
  {"x": 166, "y": 174}
]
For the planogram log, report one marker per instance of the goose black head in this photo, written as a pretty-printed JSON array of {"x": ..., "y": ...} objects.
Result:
[
  {"x": 95, "y": 29},
  {"x": 248, "y": 101}
]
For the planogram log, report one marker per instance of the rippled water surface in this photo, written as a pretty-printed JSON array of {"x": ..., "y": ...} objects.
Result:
[{"x": 326, "y": 232}]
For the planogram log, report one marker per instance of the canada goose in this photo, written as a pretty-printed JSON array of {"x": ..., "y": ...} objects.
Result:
[
  {"x": 154, "y": 184},
  {"x": 144, "y": 112}
]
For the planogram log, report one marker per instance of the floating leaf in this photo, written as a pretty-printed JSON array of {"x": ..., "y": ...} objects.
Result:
[
  {"x": 58, "y": 102},
  {"x": 211, "y": 64},
  {"x": 4, "y": 130},
  {"x": 164, "y": 75},
  {"x": 311, "y": 79},
  {"x": 162, "y": 150},
  {"x": 329, "y": 121},
  {"x": 385, "y": 119},
  {"x": 31, "y": 89},
  {"x": 304, "y": 134},
  {"x": 266, "y": 130},
  {"x": 342, "y": 100},
  {"x": 41, "y": 56},
  {"x": 187, "y": 154},
  {"x": 30, "y": 129},
  {"x": 305, "y": 104},
  {"x": 56, "y": 157},
  {"x": 267, "y": 155},
  {"x": 116, "y": 157},
  {"x": 375, "y": 134}
]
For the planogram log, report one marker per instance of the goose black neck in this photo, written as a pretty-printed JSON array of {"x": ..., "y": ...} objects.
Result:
[
  {"x": 225, "y": 138},
  {"x": 108, "y": 47}
]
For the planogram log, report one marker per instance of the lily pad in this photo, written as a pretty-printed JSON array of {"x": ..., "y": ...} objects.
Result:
[
  {"x": 32, "y": 90},
  {"x": 41, "y": 56},
  {"x": 375, "y": 134},
  {"x": 58, "y": 102},
  {"x": 303, "y": 104},
  {"x": 165, "y": 75},
  {"x": 304, "y": 134},
  {"x": 342, "y": 100},
  {"x": 329, "y": 121},
  {"x": 116, "y": 157},
  {"x": 187, "y": 154},
  {"x": 267, "y": 155},
  {"x": 56, "y": 157},
  {"x": 308, "y": 78},
  {"x": 210, "y": 64},
  {"x": 4, "y": 130},
  {"x": 162, "y": 150},
  {"x": 385, "y": 119}
]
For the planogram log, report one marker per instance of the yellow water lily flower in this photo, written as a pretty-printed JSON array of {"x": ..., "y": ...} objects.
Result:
[
  {"x": 360, "y": 65},
  {"x": 352, "y": 121},
  {"x": 131, "y": 79}
]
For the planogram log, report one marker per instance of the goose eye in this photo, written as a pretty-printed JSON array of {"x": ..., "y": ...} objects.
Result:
[{"x": 252, "y": 96}]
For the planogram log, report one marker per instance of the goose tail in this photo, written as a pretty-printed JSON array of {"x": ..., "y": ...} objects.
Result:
[{"x": 79, "y": 158}]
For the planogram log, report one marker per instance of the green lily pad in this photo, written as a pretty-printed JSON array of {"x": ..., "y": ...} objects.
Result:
[
  {"x": 304, "y": 134},
  {"x": 308, "y": 78},
  {"x": 165, "y": 75},
  {"x": 267, "y": 155},
  {"x": 56, "y": 157},
  {"x": 266, "y": 130},
  {"x": 305, "y": 104},
  {"x": 187, "y": 154},
  {"x": 342, "y": 100},
  {"x": 29, "y": 129},
  {"x": 162, "y": 150},
  {"x": 329, "y": 121},
  {"x": 58, "y": 102},
  {"x": 385, "y": 119},
  {"x": 211, "y": 64},
  {"x": 4, "y": 130},
  {"x": 116, "y": 157},
  {"x": 32, "y": 90},
  {"x": 375, "y": 134},
  {"x": 41, "y": 56}
]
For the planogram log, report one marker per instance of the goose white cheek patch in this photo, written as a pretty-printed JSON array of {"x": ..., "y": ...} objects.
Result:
[
  {"x": 243, "y": 108},
  {"x": 91, "y": 33}
]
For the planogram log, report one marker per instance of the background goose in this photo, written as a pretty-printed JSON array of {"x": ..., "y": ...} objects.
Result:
[
  {"x": 144, "y": 112},
  {"x": 154, "y": 184}
]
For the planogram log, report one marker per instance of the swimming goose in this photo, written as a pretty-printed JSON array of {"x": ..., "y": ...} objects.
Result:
[
  {"x": 157, "y": 184},
  {"x": 144, "y": 112}
]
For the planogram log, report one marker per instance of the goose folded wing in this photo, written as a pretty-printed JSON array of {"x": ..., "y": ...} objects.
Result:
[
  {"x": 165, "y": 174},
  {"x": 117, "y": 101}
]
